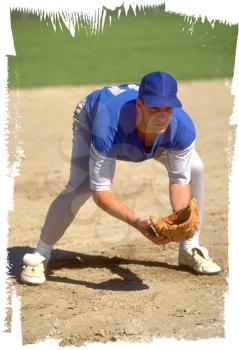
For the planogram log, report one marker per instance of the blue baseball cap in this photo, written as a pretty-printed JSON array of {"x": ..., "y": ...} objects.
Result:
[{"x": 159, "y": 89}]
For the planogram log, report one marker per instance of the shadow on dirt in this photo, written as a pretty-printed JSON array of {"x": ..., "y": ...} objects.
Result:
[{"x": 60, "y": 259}]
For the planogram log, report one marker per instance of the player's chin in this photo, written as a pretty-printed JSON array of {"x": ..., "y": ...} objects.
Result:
[{"x": 158, "y": 129}]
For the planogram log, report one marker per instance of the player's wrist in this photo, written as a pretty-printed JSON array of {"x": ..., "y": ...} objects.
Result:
[
  {"x": 134, "y": 221},
  {"x": 142, "y": 224}
]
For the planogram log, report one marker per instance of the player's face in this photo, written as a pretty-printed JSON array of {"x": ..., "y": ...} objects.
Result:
[{"x": 154, "y": 120}]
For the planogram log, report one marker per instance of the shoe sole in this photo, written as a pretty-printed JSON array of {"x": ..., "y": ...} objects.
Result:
[
  {"x": 191, "y": 269},
  {"x": 34, "y": 281}
]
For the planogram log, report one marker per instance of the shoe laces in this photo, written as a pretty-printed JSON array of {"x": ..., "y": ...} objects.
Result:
[
  {"x": 199, "y": 257},
  {"x": 33, "y": 268}
]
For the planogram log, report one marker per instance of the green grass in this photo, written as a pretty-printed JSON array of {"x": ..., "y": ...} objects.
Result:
[{"x": 128, "y": 49}]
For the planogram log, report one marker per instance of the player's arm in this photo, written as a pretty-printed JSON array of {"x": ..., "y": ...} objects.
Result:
[
  {"x": 102, "y": 170},
  {"x": 179, "y": 172},
  {"x": 113, "y": 205},
  {"x": 101, "y": 174},
  {"x": 180, "y": 195}
]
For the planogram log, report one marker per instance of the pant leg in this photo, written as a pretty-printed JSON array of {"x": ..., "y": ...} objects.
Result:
[
  {"x": 197, "y": 183},
  {"x": 66, "y": 205}
]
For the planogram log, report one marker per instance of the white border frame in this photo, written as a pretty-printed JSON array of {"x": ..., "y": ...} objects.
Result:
[{"x": 224, "y": 11}]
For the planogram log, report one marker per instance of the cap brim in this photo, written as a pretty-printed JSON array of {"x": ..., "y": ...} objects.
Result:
[{"x": 169, "y": 101}]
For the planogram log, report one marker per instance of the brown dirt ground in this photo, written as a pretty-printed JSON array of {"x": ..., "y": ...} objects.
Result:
[{"x": 106, "y": 282}]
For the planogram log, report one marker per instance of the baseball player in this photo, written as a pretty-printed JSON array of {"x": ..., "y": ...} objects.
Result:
[{"x": 130, "y": 122}]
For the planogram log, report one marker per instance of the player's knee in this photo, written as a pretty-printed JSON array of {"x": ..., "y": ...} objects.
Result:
[
  {"x": 69, "y": 188},
  {"x": 81, "y": 187}
]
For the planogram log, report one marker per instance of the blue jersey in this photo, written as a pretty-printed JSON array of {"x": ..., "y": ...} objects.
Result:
[{"x": 111, "y": 116}]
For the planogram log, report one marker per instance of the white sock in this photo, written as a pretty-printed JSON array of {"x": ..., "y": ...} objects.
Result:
[
  {"x": 43, "y": 249},
  {"x": 191, "y": 242}
]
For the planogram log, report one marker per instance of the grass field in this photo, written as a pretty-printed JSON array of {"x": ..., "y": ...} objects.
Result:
[{"x": 127, "y": 49}]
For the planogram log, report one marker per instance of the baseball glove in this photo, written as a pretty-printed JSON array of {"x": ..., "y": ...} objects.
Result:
[{"x": 178, "y": 226}]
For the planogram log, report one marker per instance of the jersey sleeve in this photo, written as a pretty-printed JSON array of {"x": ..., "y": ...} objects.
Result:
[
  {"x": 179, "y": 165},
  {"x": 185, "y": 135},
  {"x": 102, "y": 170}
]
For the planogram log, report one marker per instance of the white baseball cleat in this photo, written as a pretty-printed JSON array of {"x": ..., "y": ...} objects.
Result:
[
  {"x": 198, "y": 260},
  {"x": 34, "y": 269}
]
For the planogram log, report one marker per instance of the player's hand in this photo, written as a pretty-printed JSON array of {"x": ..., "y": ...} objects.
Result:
[{"x": 143, "y": 225}]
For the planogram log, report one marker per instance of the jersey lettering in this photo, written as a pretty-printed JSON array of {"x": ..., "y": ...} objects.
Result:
[
  {"x": 133, "y": 87},
  {"x": 117, "y": 90}
]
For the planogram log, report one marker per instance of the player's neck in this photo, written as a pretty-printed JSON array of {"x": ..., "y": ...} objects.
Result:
[
  {"x": 145, "y": 132},
  {"x": 147, "y": 139}
]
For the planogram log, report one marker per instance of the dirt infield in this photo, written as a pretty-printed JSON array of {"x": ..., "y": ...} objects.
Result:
[{"x": 106, "y": 281}]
